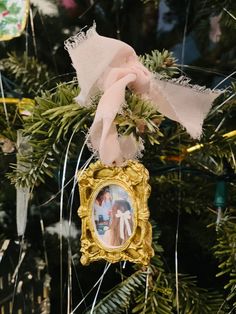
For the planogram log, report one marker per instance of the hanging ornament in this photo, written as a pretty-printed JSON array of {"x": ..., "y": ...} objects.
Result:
[
  {"x": 114, "y": 213},
  {"x": 13, "y": 17},
  {"x": 114, "y": 190}
]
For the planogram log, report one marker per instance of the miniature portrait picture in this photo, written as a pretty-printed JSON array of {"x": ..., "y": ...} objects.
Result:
[{"x": 113, "y": 216}]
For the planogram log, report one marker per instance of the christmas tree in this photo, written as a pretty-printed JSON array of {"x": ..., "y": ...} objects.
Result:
[{"x": 43, "y": 132}]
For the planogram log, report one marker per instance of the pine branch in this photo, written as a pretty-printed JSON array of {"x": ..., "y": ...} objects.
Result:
[
  {"x": 225, "y": 252},
  {"x": 130, "y": 295},
  {"x": 140, "y": 118},
  {"x": 195, "y": 300},
  {"x": 161, "y": 62},
  {"x": 56, "y": 116},
  {"x": 48, "y": 134},
  {"x": 192, "y": 299},
  {"x": 159, "y": 295},
  {"x": 118, "y": 300},
  {"x": 26, "y": 71}
]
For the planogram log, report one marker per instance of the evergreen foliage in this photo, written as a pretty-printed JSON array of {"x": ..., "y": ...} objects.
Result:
[
  {"x": 225, "y": 253},
  {"x": 57, "y": 116},
  {"x": 27, "y": 72},
  {"x": 154, "y": 291},
  {"x": 183, "y": 181},
  {"x": 119, "y": 299},
  {"x": 161, "y": 62}
]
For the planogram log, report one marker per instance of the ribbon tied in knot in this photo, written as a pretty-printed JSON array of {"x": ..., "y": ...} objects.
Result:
[{"x": 109, "y": 66}]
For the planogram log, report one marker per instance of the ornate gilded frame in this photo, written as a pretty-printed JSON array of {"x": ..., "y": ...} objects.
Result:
[{"x": 133, "y": 178}]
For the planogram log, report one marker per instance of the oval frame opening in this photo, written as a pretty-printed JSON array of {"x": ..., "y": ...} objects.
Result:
[{"x": 113, "y": 216}]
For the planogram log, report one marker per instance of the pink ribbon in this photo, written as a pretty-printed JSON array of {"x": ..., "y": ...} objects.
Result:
[
  {"x": 110, "y": 66},
  {"x": 103, "y": 134}
]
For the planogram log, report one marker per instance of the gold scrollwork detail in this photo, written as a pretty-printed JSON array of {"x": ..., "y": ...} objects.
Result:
[{"x": 131, "y": 182}]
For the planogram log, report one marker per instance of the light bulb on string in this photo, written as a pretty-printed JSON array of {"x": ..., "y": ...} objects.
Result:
[{"x": 220, "y": 199}]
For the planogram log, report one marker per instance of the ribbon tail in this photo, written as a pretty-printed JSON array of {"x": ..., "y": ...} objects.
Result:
[
  {"x": 183, "y": 104},
  {"x": 103, "y": 133},
  {"x": 122, "y": 222},
  {"x": 128, "y": 227}
]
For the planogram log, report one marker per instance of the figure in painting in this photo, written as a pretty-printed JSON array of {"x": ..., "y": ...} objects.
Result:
[
  {"x": 102, "y": 210},
  {"x": 113, "y": 215},
  {"x": 121, "y": 224}
]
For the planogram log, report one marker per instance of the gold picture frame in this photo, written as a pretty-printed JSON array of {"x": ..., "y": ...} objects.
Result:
[{"x": 114, "y": 213}]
